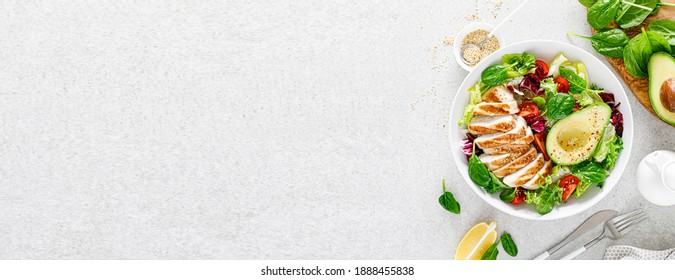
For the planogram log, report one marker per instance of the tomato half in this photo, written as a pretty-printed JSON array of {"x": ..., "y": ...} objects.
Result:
[
  {"x": 569, "y": 183},
  {"x": 528, "y": 109},
  {"x": 520, "y": 196},
  {"x": 540, "y": 144},
  {"x": 563, "y": 85},
  {"x": 542, "y": 68}
]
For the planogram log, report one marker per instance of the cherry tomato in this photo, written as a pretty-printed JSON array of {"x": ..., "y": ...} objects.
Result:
[
  {"x": 520, "y": 196},
  {"x": 528, "y": 109},
  {"x": 569, "y": 183},
  {"x": 563, "y": 85},
  {"x": 540, "y": 144},
  {"x": 542, "y": 68},
  {"x": 576, "y": 107}
]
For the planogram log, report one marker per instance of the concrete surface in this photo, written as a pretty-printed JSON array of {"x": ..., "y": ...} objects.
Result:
[{"x": 255, "y": 130}]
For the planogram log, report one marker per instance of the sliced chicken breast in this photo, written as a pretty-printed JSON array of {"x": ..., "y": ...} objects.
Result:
[
  {"x": 501, "y": 138},
  {"x": 516, "y": 164},
  {"x": 526, "y": 173},
  {"x": 498, "y": 94},
  {"x": 491, "y": 124},
  {"x": 508, "y": 149},
  {"x": 525, "y": 140},
  {"x": 493, "y": 109},
  {"x": 496, "y": 161},
  {"x": 533, "y": 183}
]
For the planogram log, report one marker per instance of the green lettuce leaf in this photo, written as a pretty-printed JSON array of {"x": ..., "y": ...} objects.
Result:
[
  {"x": 614, "y": 150},
  {"x": 476, "y": 96},
  {"x": 607, "y": 139}
]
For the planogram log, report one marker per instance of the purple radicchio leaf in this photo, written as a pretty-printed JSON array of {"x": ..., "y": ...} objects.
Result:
[
  {"x": 467, "y": 146},
  {"x": 617, "y": 120},
  {"x": 617, "y": 117},
  {"x": 531, "y": 84},
  {"x": 607, "y": 98},
  {"x": 537, "y": 123}
]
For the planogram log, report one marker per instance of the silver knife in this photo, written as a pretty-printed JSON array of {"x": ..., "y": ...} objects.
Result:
[{"x": 592, "y": 221}]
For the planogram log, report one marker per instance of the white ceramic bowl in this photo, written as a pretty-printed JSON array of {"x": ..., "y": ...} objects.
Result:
[
  {"x": 457, "y": 43},
  {"x": 598, "y": 73}
]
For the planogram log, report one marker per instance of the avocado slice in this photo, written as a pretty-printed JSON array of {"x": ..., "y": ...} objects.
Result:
[
  {"x": 661, "y": 91},
  {"x": 574, "y": 138}
]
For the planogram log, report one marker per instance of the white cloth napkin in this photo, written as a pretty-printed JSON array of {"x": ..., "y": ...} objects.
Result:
[{"x": 623, "y": 252}]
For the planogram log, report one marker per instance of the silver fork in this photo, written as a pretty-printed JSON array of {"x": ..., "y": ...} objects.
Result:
[{"x": 614, "y": 229}]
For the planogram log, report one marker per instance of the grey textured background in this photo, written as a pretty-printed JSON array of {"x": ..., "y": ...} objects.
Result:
[{"x": 254, "y": 130}]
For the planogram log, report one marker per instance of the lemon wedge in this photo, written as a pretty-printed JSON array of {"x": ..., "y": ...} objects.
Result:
[{"x": 476, "y": 241}]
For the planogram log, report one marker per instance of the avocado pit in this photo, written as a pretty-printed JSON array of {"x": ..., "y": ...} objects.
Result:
[{"x": 668, "y": 94}]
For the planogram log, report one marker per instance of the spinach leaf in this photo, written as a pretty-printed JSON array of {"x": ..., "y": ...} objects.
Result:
[
  {"x": 634, "y": 12},
  {"x": 587, "y": 3},
  {"x": 549, "y": 198},
  {"x": 602, "y": 12},
  {"x": 559, "y": 106},
  {"x": 494, "y": 75},
  {"x": 508, "y": 195},
  {"x": 478, "y": 173},
  {"x": 664, "y": 27},
  {"x": 639, "y": 49},
  {"x": 636, "y": 56},
  {"x": 447, "y": 200},
  {"x": 577, "y": 84},
  {"x": 491, "y": 253},
  {"x": 610, "y": 42},
  {"x": 495, "y": 184},
  {"x": 591, "y": 172},
  {"x": 508, "y": 244},
  {"x": 657, "y": 42}
]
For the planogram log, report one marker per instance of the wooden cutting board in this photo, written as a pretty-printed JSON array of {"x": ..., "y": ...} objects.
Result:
[{"x": 640, "y": 86}]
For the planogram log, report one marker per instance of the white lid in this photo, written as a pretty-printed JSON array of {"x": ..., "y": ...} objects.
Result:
[{"x": 650, "y": 179}]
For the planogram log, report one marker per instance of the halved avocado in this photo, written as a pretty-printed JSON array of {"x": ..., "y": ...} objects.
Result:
[
  {"x": 574, "y": 138},
  {"x": 662, "y": 86}
]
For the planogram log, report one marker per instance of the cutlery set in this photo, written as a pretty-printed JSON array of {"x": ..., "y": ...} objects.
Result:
[{"x": 615, "y": 227}]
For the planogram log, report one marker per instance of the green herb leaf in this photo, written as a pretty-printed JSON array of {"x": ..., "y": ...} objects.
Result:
[
  {"x": 639, "y": 49},
  {"x": 657, "y": 42},
  {"x": 508, "y": 244},
  {"x": 634, "y": 56},
  {"x": 447, "y": 200},
  {"x": 587, "y": 3},
  {"x": 548, "y": 199},
  {"x": 577, "y": 84},
  {"x": 491, "y": 253},
  {"x": 602, "y": 12},
  {"x": 591, "y": 172},
  {"x": 666, "y": 28},
  {"x": 508, "y": 195},
  {"x": 494, "y": 75},
  {"x": 634, "y": 12},
  {"x": 478, "y": 173},
  {"x": 559, "y": 106},
  {"x": 610, "y": 42}
]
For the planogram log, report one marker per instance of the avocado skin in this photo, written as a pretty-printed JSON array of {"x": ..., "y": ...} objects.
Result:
[{"x": 661, "y": 68}]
